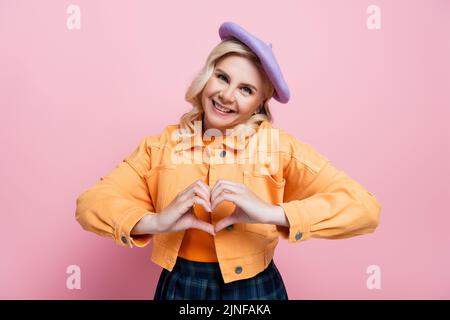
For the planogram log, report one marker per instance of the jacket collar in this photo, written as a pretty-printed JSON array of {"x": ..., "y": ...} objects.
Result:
[{"x": 197, "y": 140}]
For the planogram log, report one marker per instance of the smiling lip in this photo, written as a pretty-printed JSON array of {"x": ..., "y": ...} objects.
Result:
[{"x": 221, "y": 112}]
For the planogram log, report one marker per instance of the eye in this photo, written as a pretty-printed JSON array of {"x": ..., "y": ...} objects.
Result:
[
  {"x": 222, "y": 77},
  {"x": 249, "y": 91}
]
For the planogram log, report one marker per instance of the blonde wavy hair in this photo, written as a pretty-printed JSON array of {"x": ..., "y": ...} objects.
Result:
[{"x": 194, "y": 92}]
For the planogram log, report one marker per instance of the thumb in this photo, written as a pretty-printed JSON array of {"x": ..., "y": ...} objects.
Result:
[
  {"x": 225, "y": 222},
  {"x": 202, "y": 225}
]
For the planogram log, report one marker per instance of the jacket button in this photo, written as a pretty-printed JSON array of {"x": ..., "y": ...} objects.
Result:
[
  {"x": 298, "y": 235},
  {"x": 124, "y": 239},
  {"x": 223, "y": 153},
  {"x": 238, "y": 269},
  {"x": 230, "y": 227}
]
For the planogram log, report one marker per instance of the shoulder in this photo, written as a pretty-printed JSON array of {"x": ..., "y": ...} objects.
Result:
[
  {"x": 296, "y": 149},
  {"x": 166, "y": 136},
  {"x": 287, "y": 143},
  {"x": 148, "y": 149}
]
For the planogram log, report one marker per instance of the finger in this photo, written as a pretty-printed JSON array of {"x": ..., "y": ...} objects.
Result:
[
  {"x": 200, "y": 185},
  {"x": 224, "y": 189},
  {"x": 189, "y": 220},
  {"x": 199, "y": 191},
  {"x": 188, "y": 188},
  {"x": 193, "y": 184},
  {"x": 225, "y": 222},
  {"x": 224, "y": 181},
  {"x": 187, "y": 201},
  {"x": 202, "y": 202},
  {"x": 224, "y": 196},
  {"x": 202, "y": 225},
  {"x": 218, "y": 188},
  {"x": 205, "y": 187},
  {"x": 196, "y": 190},
  {"x": 217, "y": 185}
]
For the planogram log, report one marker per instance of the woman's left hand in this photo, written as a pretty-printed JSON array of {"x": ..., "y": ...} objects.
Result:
[{"x": 249, "y": 207}]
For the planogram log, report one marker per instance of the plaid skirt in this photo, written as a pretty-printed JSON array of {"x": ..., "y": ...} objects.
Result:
[{"x": 193, "y": 280}]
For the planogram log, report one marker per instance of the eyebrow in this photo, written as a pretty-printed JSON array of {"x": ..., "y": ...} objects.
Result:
[{"x": 245, "y": 84}]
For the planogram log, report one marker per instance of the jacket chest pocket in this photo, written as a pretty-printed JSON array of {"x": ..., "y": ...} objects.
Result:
[
  {"x": 161, "y": 182},
  {"x": 268, "y": 231},
  {"x": 266, "y": 186}
]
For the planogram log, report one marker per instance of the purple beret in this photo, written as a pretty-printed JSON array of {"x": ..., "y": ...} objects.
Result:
[{"x": 264, "y": 52}]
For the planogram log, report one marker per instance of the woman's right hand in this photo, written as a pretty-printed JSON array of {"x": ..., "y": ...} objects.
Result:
[{"x": 179, "y": 214}]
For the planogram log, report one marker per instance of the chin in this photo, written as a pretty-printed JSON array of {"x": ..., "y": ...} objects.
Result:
[{"x": 212, "y": 123}]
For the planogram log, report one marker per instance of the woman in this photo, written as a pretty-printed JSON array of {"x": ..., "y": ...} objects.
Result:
[{"x": 216, "y": 191}]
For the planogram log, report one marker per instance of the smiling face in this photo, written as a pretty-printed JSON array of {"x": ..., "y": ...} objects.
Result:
[{"x": 232, "y": 94}]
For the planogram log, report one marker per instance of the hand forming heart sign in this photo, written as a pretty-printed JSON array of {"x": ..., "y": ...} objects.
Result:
[{"x": 179, "y": 215}]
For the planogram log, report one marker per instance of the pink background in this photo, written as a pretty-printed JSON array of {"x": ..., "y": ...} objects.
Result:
[{"x": 74, "y": 103}]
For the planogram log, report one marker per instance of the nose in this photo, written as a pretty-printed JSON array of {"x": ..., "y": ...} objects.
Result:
[{"x": 227, "y": 94}]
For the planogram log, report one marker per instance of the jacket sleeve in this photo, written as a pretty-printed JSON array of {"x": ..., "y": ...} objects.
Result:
[
  {"x": 113, "y": 206},
  {"x": 321, "y": 201}
]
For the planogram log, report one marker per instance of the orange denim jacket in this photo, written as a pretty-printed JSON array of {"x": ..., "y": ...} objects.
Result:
[{"x": 319, "y": 200}]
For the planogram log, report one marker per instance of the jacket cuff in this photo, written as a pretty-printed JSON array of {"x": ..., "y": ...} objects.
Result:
[
  {"x": 299, "y": 225},
  {"x": 124, "y": 226}
]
